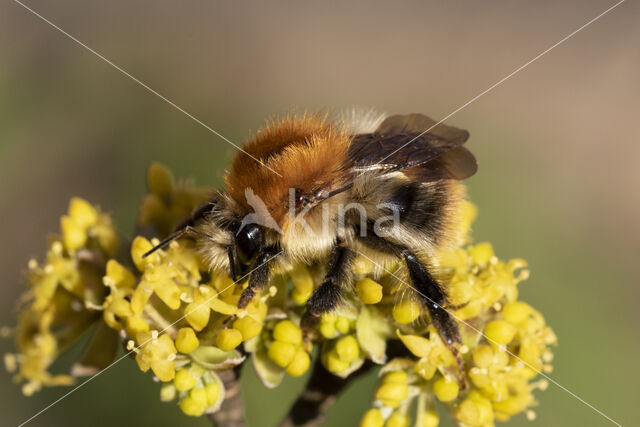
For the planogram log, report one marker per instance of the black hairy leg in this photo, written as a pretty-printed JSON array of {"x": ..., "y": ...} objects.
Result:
[
  {"x": 434, "y": 298},
  {"x": 259, "y": 277},
  {"x": 429, "y": 290},
  {"x": 328, "y": 295}
]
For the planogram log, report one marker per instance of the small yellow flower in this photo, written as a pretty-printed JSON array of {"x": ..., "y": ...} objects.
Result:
[{"x": 157, "y": 354}]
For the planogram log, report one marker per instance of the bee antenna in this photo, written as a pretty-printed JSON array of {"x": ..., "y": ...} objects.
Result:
[{"x": 186, "y": 230}]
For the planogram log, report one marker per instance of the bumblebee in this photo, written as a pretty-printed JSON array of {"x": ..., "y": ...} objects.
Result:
[{"x": 307, "y": 189}]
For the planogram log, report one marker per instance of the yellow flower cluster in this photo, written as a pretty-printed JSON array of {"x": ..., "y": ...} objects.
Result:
[
  {"x": 57, "y": 308},
  {"x": 506, "y": 345},
  {"x": 183, "y": 325},
  {"x": 169, "y": 201},
  {"x": 341, "y": 353}
]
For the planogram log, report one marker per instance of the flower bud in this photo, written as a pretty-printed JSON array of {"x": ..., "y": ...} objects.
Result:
[
  {"x": 281, "y": 353},
  {"x": 327, "y": 329},
  {"x": 516, "y": 312},
  {"x": 228, "y": 339},
  {"x": 406, "y": 311},
  {"x": 302, "y": 280},
  {"x": 483, "y": 356},
  {"x": 286, "y": 331},
  {"x": 425, "y": 369},
  {"x": 430, "y": 419},
  {"x": 195, "y": 403},
  {"x": 167, "y": 392},
  {"x": 372, "y": 418},
  {"x": 199, "y": 394},
  {"x": 197, "y": 315},
  {"x": 120, "y": 275},
  {"x": 369, "y": 291},
  {"x": 184, "y": 380},
  {"x": 191, "y": 407},
  {"x": 160, "y": 180},
  {"x": 445, "y": 389},
  {"x": 348, "y": 349},
  {"x": 82, "y": 213},
  {"x": 392, "y": 391},
  {"x": 398, "y": 419},
  {"x": 186, "y": 340},
  {"x": 74, "y": 236},
  {"x": 343, "y": 325},
  {"x": 300, "y": 363},
  {"x": 248, "y": 327},
  {"x": 139, "y": 247},
  {"x": 481, "y": 254},
  {"x": 475, "y": 410},
  {"x": 500, "y": 332},
  {"x": 335, "y": 364},
  {"x": 213, "y": 392},
  {"x": 397, "y": 377}
]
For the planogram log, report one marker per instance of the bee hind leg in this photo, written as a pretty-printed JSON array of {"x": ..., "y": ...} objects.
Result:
[{"x": 434, "y": 298}]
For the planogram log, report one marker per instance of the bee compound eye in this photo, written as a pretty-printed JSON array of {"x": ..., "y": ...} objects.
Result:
[{"x": 249, "y": 240}]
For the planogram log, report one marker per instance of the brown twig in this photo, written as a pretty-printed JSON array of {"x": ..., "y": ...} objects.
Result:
[
  {"x": 319, "y": 395},
  {"x": 231, "y": 413}
]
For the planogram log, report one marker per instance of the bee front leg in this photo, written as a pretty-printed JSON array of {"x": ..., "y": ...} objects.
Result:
[
  {"x": 259, "y": 277},
  {"x": 328, "y": 295}
]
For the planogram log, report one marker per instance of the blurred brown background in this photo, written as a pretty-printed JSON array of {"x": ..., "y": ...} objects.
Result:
[{"x": 557, "y": 146}]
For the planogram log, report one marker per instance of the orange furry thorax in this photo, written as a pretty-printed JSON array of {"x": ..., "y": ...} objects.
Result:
[{"x": 306, "y": 150}]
